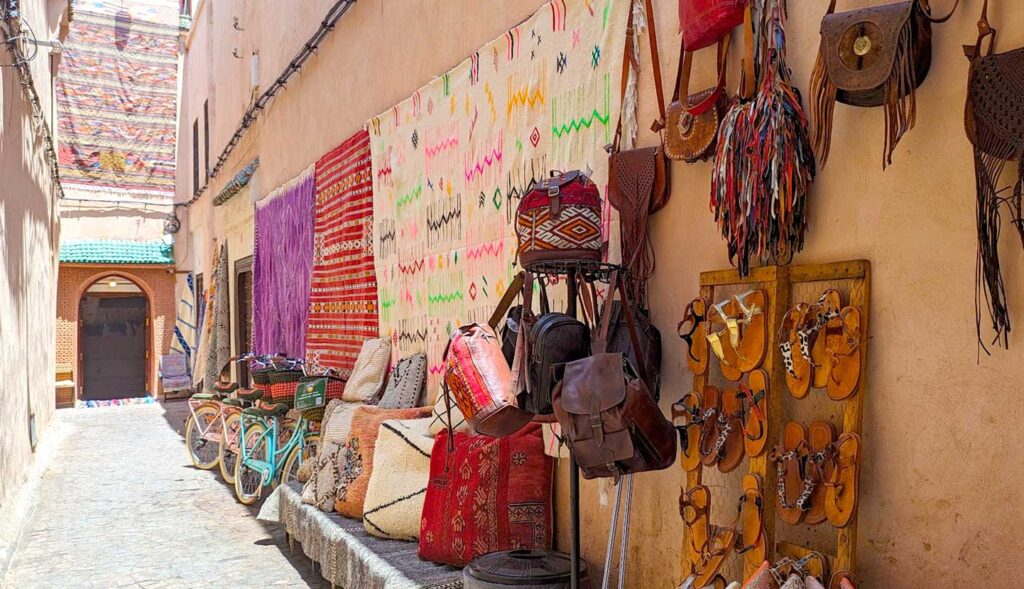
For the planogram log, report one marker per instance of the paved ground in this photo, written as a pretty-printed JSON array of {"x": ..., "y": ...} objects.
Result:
[{"x": 122, "y": 506}]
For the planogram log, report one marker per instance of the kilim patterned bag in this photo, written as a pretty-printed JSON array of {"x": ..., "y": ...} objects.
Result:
[
  {"x": 560, "y": 219},
  {"x": 994, "y": 120}
]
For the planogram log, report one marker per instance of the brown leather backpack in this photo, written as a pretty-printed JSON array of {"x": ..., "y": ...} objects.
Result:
[
  {"x": 994, "y": 123},
  {"x": 611, "y": 422},
  {"x": 872, "y": 56}
]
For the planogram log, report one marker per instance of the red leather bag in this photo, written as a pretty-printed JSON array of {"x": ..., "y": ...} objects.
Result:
[{"x": 704, "y": 22}]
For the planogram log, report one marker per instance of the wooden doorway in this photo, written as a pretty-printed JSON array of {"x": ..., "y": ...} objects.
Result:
[
  {"x": 243, "y": 315},
  {"x": 114, "y": 340}
]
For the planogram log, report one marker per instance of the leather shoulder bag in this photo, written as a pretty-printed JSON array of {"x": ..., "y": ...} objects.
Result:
[
  {"x": 560, "y": 219},
  {"x": 872, "y": 56},
  {"x": 703, "y": 22},
  {"x": 994, "y": 123},
  {"x": 691, "y": 128},
  {"x": 611, "y": 422}
]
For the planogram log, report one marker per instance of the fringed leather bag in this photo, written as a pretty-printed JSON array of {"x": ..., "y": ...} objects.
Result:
[
  {"x": 764, "y": 164},
  {"x": 994, "y": 120},
  {"x": 691, "y": 128},
  {"x": 872, "y": 56}
]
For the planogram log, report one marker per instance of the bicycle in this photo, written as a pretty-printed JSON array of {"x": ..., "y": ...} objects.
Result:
[{"x": 266, "y": 456}]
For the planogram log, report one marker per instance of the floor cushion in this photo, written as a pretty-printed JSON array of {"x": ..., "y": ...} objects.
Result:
[
  {"x": 406, "y": 383},
  {"x": 398, "y": 484},
  {"x": 369, "y": 372}
]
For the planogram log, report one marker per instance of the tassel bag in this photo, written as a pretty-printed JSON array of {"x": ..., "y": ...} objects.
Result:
[
  {"x": 874, "y": 56},
  {"x": 994, "y": 120},
  {"x": 764, "y": 165}
]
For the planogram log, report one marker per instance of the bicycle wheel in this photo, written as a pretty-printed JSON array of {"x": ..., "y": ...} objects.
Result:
[
  {"x": 203, "y": 450},
  {"x": 292, "y": 464},
  {"x": 248, "y": 480},
  {"x": 229, "y": 446}
]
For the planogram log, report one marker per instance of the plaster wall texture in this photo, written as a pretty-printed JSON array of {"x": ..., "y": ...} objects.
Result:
[
  {"x": 28, "y": 260},
  {"x": 156, "y": 283},
  {"x": 924, "y": 521}
]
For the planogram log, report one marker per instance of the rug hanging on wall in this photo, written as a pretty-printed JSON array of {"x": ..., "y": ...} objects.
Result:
[
  {"x": 184, "y": 341},
  {"x": 343, "y": 289},
  {"x": 218, "y": 342},
  {"x": 116, "y": 100},
  {"x": 282, "y": 263},
  {"x": 452, "y": 161}
]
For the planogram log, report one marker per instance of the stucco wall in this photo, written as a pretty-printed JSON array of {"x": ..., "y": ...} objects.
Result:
[
  {"x": 28, "y": 237},
  {"x": 943, "y": 465},
  {"x": 156, "y": 283}
]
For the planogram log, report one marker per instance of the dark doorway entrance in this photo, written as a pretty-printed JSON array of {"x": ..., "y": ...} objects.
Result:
[
  {"x": 114, "y": 328},
  {"x": 243, "y": 315}
]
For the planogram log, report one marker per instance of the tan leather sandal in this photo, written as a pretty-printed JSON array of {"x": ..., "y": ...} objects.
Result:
[
  {"x": 688, "y": 417},
  {"x": 755, "y": 401},
  {"x": 841, "y": 488},
  {"x": 751, "y": 514},
  {"x": 752, "y": 347},
  {"x": 729, "y": 444},
  {"x": 695, "y": 510},
  {"x": 819, "y": 466},
  {"x": 788, "y": 458},
  {"x": 711, "y": 406},
  {"x": 696, "y": 336},
  {"x": 814, "y": 334},
  {"x": 844, "y": 356},
  {"x": 797, "y": 368},
  {"x": 723, "y": 343},
  {"x": 718, "y": 549}
]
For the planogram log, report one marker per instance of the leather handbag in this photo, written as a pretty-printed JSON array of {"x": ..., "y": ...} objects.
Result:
[
  {"x": 611, "y": 422},
  {"x": 560, "y": 219},
  {"x": 872, "y": 56},
  {"x": 995, "y": 127},
  {"x": 479, "y": 379},
  {"x": 703, "y": 22},
  {"x": 692, "y": 128}
]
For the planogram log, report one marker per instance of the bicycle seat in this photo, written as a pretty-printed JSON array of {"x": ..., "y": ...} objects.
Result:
[
  {"x": 249, "y": 394},
  {"x": 225, "y": 388},
  {"x": 276, "y": 410},
  {"x": 206, "y": 397},
  {"x": 233, "y": 402}
]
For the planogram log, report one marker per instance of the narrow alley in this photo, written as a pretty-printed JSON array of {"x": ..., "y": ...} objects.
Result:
[{"x": 122, "y": 506}]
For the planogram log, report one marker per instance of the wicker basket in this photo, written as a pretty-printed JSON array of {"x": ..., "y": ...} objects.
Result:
[
  {"x": 335, "y": 389},
  {"x": 261, "y": 380},
  {"x": 282, "y": 386}
]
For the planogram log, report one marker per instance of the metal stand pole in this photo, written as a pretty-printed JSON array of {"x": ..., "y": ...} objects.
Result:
[{"x": 574, "y": 473}]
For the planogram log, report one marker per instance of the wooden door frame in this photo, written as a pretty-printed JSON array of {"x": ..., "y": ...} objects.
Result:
[
  {"x": 242, "y": 265},
  {"x": 150, "y": 323}
]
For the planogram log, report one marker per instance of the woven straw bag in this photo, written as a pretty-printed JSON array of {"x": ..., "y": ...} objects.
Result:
[{"x": 369, "y": 372}]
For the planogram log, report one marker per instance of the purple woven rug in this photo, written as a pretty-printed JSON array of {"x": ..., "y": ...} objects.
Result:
[{"x": 282, "y": 264}]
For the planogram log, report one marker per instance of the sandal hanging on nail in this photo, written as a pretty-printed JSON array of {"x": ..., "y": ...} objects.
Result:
[
  {"x": 754, "y": 334},
  {"x": 695, "y": 510},
  {"x": 822, "y": 315},
  {"x": 729, "y": 444},
  {"x": 751, "y": 514},
  {"x": 797, "y": 368},
  {"x": 711, "y": 406},
  {"x": 789, "y": 482},
  {"x": 755, "y": 400},
  {"x": 696, "y": 337},
  {"x": 815, "y": 569},
  {"x": 819, "y": 466},
  {"x": 844, "y": 356},
  {"x": 689, "y": 411},
  {"x": 723, "y": 343},
  {"x": 719, "y": 547},
  {"x": 841, "y": 489}
]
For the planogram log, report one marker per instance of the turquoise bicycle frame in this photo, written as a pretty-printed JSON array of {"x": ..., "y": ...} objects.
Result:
[{"x": 268, "y": 469}]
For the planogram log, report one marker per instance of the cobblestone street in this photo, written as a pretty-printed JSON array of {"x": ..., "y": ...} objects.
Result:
[{"x": 122, "y": 506}]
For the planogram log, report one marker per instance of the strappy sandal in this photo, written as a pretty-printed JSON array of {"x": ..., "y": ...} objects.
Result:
[
  {"x": 729, "y": 444},
  {"x": 752, "y": 346},
  {"x": 755, "y": 401},
  {"x": 815, "y": 569},
  {"x": 723, "y": 343},
  {"x": 696, "y": 338},
  {"x": 844, "y": 580},
  {"x": 822, "y": 315},
  {"x": 797, "y": 368},
  {"x": 819, "y": 467},
  {"x": 788, "y": 461},
  {"x": 726, "y": 311},
  {"x": 844, "y": 356},
  {"x": 695, "y": 511},
  {"x": 841, "y": 488},
  {"x": 689, "y": 411},
  {"x": 751, "y": 515},
  {"x": 718, "y": 549},
  {"x": 710, "y": 405}
]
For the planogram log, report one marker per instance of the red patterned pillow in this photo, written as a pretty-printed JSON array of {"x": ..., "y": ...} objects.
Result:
[{"x": 489, "y": 494}]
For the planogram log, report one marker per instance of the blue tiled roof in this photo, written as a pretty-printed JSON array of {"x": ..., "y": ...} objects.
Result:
[{"x": 111, "y": 251}]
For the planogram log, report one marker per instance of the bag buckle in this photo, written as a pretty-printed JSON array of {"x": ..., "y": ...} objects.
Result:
[{"x": 596, "y": 424}]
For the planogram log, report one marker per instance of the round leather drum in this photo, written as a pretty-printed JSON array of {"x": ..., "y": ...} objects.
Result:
[{"x": 522, "y": 569}]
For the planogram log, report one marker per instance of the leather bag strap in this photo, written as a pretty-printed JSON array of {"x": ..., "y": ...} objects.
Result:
[
  {"x": 985, "y": 29},
  {"x": 627, "y": 61},
  {"x": 683, "y": 78},
  {"x": 521, "y": 353},
  {"x": 506, "y": 301},
  {"x": 924, "y": 5},
  {"x": 749, "y": 83},
  {"x": 627, "y": 309}
]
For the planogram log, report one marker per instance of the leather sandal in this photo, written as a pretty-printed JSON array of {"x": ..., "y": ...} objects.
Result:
[
  {"x": 695, "y": 510},
  {"x": 729, "y": 444},
  {"x": 696, "y": 338},
  {"x": 690, "y": 412},
  {"x": 822, "y": 315},
  {"x": 788, "y": 459},
  {"x": 711, "y": 406},
  {"x": 753, "y": 339},
  {"x": 819, "y": 467},
  {"x": 844, "y": 580},
  {"x": 727, "y": 312},
  {"x": 815, "y": 569},
  {"x": 844, "y": 356},
  {"x": 718, "y": 549},
  {"x": 797, "y": 368},
  {"x": 755, "y": 401},
  {"x": 841, "y": 488},
  {"x": 723, "y": 343},
  {"x": 751, "y": 542}
]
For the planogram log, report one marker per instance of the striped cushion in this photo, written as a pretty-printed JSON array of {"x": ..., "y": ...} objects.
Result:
[{"x": 398, "y": 485}]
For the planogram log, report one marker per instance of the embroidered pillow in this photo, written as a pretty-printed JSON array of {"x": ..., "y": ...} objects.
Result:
[
  {"x": 406, "y": 383},
  {"x": 357, "y": 456},
  {"x": 322, "y": 486},
  {"x": 398, "y": 485},
  {"x": 369, "y": 372},
  {"x": 490, "y": 494},
  {"x": 338, "y": 422}
]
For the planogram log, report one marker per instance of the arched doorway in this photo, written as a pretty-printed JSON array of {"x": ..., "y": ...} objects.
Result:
[{"x": 114, "y": 339}]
